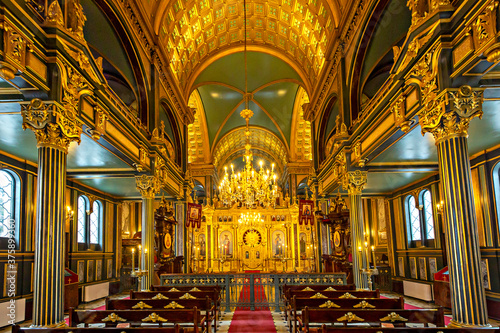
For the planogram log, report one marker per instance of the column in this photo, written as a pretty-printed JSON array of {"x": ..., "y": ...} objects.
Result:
[
  {"x": 54, "y": 131},
  {"x": 354, "y": 182},
  {"x": 148, "y": 186},
  {"x": 447, "y": 118}
]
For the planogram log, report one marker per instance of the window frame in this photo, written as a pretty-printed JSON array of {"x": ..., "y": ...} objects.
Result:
[
  {"x": 87, "y": 244},
  {"x": 16, "y": 210},
  {"x": 423, "y": 210}
]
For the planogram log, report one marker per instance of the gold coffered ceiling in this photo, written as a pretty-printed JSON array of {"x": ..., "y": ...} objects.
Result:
[{"x": 193, "y": 32}]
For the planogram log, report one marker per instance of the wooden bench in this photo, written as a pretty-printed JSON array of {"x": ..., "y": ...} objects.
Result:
[
  {"x": 297, "y": 304},
  {"x": 205, "y": 305},
  {"x": 186, "y": 288},
  {"x": 329, "y": 329},
  {"x": 317, "y": 287},
  {"x": 213, "y": 294},
  {"x": 190, "y": 318},
  {"x": 373, "y": 317},
  {"x": 175, "y": 329},
  {"x": 328, "y": 294}
]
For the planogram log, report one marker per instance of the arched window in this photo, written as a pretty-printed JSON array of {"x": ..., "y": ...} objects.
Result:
[
  {"x": 420, "y": 219},
  {"x": 7, "y": 204},
  {"x": 428, "y": 216},
  {"x": 89, "y": 224},
  {"x": 413, "y": 218}
]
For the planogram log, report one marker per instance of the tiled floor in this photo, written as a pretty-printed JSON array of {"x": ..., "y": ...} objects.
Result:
[{"x": 279, "y": 318}]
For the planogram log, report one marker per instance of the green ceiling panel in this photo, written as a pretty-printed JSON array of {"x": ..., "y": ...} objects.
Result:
[
  {"x": 278, "y": 100},
  {"x": 231, "y": 70},
  {"x": 392, "y": 26},
  {"x": 259, "y": 118},
  {"x": 107, "y": 43},
  {"x": 14, "y": 140},
  {"x": 331, "y": 120},
  {"x": 218, "y": 102},
  {"x": 485, "y": 133},
  {"x": 119, "y": 186},
  {"x": 91, "y": 155},
  {"x": 413, "y": 147},
  {"x": 385, "y": 182}
]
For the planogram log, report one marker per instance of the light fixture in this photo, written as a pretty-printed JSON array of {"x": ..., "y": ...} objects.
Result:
[
  {"x": 250, "y": 219},
  {"x": 69, "y": 213},
  {"x": 248, "y": 187}
]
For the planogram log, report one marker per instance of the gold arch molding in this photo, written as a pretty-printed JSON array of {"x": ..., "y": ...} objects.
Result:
[
  {"x": 260, "y": 139},
  {"x": 194, "y": 30}
]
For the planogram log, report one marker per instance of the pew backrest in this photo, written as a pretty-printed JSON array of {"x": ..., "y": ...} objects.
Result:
[
  {"x": 175, "y": 329},
  {"x": 146, "y": 304},
  {"x": 348, "y": 303}
]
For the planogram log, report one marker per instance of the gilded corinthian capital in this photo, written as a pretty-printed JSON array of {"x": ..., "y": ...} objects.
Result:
[
  {"x": 450, "y": 113},
  {"x": 355, "y": 181},
  {"x": 147, "y": 185},
  {"x": 53, "y": 126}
]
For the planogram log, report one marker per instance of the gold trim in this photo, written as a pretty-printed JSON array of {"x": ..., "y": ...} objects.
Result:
[
  {"x": 154, "y": 318},
  {"x": 364, "y": 305},
  {"x": 349, "y": 316},
  {"x": 187, "y": 296},
  {"x": 392, "y": 317},
  {"x": 175, "y": 289},
  {"x": 141, "y": 305},
  {"x": 113, "y": 317},
  {"x": 318, "y": 295},
  {"x": 307, "y": 289},
  {"x": 329, "y": 305},
  {"x": 347, "y": 295},
  {"x": 160, "y": 296},
  {"x": 173, "y": 305},
  {"x": 330, "y": 289},
  {"x": 193, "y": 289}
]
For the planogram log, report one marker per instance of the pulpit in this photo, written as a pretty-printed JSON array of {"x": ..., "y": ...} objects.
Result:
[
  {"x": 70, "y": 289},
  {"x": 337, "y": 220}
]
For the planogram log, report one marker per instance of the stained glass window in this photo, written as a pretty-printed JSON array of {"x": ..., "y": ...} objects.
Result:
[
  {"x": 429, "y": 220},
  {"x": 6, "y": 202},
  {"x": 95, "y": 219},
  {"x": 413, "y": 219},
  {"x": 82, "y": 213}
]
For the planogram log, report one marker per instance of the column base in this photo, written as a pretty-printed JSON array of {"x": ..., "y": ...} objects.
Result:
[
  {"x": 60, "y": 324},
  {"x": 456, "y": 324}
]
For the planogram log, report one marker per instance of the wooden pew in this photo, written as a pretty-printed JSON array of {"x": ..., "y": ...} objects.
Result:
[
  {"x": 195, "y": 322},
  {"x": 330, "y": 329},
  {"x": 317, "y": 287},
  {"x": 329, "y": 294},
  {"x": 213, "y": 294},
  {"x": 186, "y": 288},
  {"x": 205, "y": 305},
  {"x": 297, "y": 304},
  {"x": 175, "y": 329},
  {"x": 374, "y": 317}
]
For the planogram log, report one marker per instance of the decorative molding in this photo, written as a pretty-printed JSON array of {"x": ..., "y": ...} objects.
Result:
[
  {"x": 53, "y": 126},
  {"x": 355, "y": 181},
  {"x": 147, "y": 185},
  {"x": 450, "y": 113}
]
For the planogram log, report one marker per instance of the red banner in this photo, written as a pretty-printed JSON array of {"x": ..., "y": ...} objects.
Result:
[
  {"x": 306, "y": 214},
  {"x": 193, "y": 215}
]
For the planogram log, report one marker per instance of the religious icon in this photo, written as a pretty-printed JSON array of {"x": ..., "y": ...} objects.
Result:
[
  {"x": 225, "y": 218},
  {"x": 302, "y": 244},
  {"x": 282, "y": 217},
  {"x": 203, "y": 246},
  {"x": 194, "y": 213},
  {"x": 257, "y": 255},
  {"x": 278, "y": 218},
  {"x": 432, "y": 267},
  {"x": 167, "y": 241},
  {"x": 413, "y": 268},
  {"x": 226, "y": 243},
  {"x": 220, "y": 218},
  {"x": 278, "y": 242},
  {"x": 307, "y": 210},
  {"x": 336, "y": 239},
  {"x": 422, "y": 268},
  {"x": 247, "y": 255},
  {"x": 273, "y": 218},
  {"x": 230, "y": 219}
]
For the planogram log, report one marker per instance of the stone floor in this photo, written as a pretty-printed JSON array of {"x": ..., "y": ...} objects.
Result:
[{"x": 279, "y": 317}]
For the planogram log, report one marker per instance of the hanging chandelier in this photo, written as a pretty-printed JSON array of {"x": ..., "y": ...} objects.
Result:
[
  {"x": 248, "y": 187},
  {"x": 249, "y": 219}
]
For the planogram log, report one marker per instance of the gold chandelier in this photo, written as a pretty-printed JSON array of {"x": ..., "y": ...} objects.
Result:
[
  {"x": 249, "y": 219},
  {"x": 248, "y": 187}
]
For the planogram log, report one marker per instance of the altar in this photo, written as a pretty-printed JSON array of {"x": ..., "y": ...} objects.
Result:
[{"x": 266, "y": 240}]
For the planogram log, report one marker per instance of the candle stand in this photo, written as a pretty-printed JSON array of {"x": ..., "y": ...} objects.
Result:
[{"x": 369, "y": 272}]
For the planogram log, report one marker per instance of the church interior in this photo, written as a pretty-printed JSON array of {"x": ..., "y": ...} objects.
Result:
[{"x": 241, "y": 150}]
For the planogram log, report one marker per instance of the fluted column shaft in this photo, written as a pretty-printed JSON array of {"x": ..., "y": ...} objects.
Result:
[
  {"x": 148, "y": 186},
  {"x": 448, "y": 120},
  {"x": 54, "y": 129},
  {"x": 48, "y": 283},
  {"x": 464, "y": 257},
  {"x": 354, "y": 182}
]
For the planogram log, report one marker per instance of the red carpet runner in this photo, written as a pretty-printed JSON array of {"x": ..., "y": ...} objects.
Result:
[{"x": 246, "y": 321}]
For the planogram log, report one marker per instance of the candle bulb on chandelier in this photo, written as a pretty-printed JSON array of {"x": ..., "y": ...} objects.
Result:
[
  {"x": 140, "y": 258},
  {"x": 374, "y": 257},
  {"x": 367, "y": 255},
  {"x": 133, "y": 259}
]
